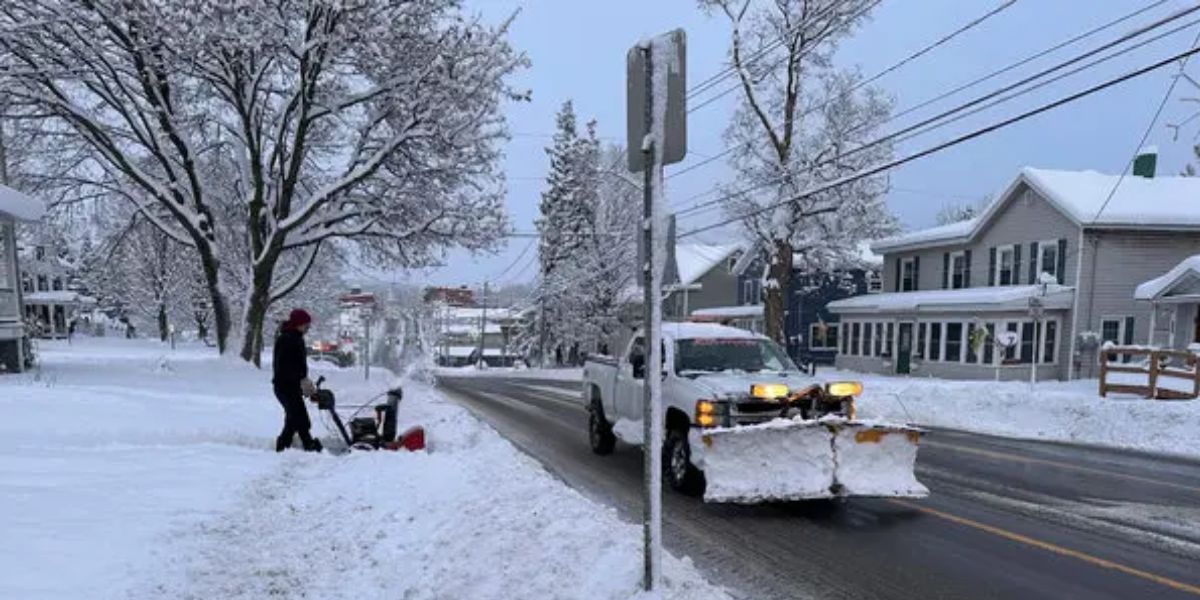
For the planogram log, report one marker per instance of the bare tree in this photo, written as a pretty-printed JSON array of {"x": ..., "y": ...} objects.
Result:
[
  {"x": 800, "y": 123},
  {"x": 255, "y": 133}
]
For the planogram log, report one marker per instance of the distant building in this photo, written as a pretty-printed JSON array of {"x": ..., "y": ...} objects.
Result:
[
  {"x": 354, "y": 311},
  {"x": 54, "y": 299},
  {"x": 450, "y": 296},
  {"x": 14, "y": 206}
]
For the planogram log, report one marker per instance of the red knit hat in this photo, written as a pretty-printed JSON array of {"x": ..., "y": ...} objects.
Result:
[{"x": 298, "y": 318}]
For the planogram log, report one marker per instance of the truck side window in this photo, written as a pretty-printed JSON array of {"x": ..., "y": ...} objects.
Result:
[{"x": 637, "y": 358}]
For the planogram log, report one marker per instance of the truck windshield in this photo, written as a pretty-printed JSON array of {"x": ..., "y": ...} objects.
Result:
[{"x": 711, "y": 355}]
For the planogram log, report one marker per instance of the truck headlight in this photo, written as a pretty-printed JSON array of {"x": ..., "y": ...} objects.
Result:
[
  {"x": 769, "y": 391},
  {"x": 709, "y": 412},
  {"x": 844, "y": 389}
]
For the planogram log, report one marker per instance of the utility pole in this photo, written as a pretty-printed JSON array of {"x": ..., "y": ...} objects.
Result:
[
  {"x": 542, "y": 331},
  {"x": 483, "y": 325},
  {"x": 367, "y": 347}
]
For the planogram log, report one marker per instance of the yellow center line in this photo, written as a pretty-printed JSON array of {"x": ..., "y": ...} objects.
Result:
[
  {"x": 1056, "y": 549},
  {"x": 1061, "y": 465}
]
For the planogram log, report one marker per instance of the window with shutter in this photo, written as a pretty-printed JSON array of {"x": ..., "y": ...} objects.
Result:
[
  {"x": 1034, "y": 262},
  {"x": 1061, "y": 271},
  {"x": 1016, "y": 275}
]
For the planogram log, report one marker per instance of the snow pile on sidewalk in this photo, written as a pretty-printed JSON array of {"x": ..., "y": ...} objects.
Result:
[
  {"x": 1054, "y": 410},
  {"x": 129, "y": 471}
]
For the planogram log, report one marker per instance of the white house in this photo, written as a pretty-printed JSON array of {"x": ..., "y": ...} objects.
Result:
[{"x": 14, "y": 206}]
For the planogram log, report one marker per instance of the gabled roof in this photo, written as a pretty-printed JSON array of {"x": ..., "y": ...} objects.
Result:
[
  {"x": 1158, "y": 203},
  {"x": 1182, "y": 280},
  {"x": 20, "y": 206},
  {"x": 694, "y": 260}
]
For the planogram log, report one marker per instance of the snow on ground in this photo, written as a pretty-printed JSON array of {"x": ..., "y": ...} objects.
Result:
[
  {"x": 131, "y": 471},
  {"x": 1067, "y": 411}
]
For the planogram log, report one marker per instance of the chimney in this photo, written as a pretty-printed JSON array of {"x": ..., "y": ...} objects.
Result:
[{"x": 1145, "y": 162}]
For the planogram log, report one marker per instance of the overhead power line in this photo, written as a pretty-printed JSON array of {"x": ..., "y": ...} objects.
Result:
[
  {"x": 874, "y": 170},
  {"x": 883, "y": 73},
  {"x": 942, "y": 119}
]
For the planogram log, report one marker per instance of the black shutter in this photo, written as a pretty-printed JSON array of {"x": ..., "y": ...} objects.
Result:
[
  {"x": 899, "y": 261},
  {"x": 1033, "y": 263},
  {"x": 1062, "y": 261},
  {"x": 1016, "y": 269},
  {"x": 916, "y": 273},
  {"x": 945, "y": 270},
  {"x": 1128, "y": 331},
  {"x": 967, "y": 269},
  {"x": 991, "y": 266}
]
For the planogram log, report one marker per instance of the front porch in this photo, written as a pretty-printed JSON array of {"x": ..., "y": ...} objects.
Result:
[
  {"x": 1174, "y": 299},
  {"x": 1002, "y": 333},
  {"x": 55, "y": 312}
]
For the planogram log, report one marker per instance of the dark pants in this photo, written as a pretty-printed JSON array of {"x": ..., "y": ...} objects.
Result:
[{"x": 295, "y": 420}]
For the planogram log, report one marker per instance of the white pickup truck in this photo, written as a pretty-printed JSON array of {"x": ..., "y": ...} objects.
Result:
[{"x": 744, "y": 424}]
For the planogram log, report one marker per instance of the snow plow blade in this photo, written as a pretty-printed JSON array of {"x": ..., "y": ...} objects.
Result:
[{"x": 802, "y": 460}]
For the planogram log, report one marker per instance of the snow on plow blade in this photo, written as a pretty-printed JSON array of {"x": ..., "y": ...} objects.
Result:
[{"x": 799, "y": 460}]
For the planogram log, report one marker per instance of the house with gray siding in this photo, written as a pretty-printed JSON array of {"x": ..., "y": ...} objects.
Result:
[
  {"x": 1051, "y": 266},
  {"x": 14, "y": 207}
]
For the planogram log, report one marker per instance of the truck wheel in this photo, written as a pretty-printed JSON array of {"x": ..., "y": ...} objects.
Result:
[
  {"x": 678, "y": 469},
  {"x": 600, "y": 433}
]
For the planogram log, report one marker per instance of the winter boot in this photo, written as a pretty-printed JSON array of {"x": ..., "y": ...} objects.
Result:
[
  {"x": 282, "y": 443},
  {"x": 313, "y": 446}
]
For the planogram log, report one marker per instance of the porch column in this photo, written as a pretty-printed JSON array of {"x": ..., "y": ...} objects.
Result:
[
  {"x": 1172, "y": 314},
  {"x": 1153, "y": 322}
]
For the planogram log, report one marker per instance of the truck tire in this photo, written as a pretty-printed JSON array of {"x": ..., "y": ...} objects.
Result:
[
  {"x": 678, "y": 470},
  {"x": 600, "y": 433}
]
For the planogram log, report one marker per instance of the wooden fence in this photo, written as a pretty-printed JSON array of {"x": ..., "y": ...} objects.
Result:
[{"x": 1156, "y": 366}]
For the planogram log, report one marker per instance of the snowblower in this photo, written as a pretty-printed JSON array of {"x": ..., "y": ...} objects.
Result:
[{"x": 371, "y": 433}]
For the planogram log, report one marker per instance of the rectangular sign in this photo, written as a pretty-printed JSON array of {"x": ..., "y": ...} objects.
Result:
[{"x": 675, "y": 117}]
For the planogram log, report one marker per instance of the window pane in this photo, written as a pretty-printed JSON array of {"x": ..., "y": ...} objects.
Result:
[
  {"x": 868, "y": 329},
  {"x": 1048, "y": 347},
  {"x": 989, "y": 347},
  {"x": 935, "y": 341},
  {"x": 1026, "y": 343},
  {"x": 921, "y": 340},
  {"x": 1110, "y": 331},
  {"x": 1049, "y": 259},
  {"x": 972, "y": 357},
  {"x": 954, "y": 332},
  {"x": 831, "y": 336},
  {"x": 855, "y": 336},
  {"x": 1011, "y": 352},
  {"x": 888, "y": 341},
  {"x": 879, "y": 339}
]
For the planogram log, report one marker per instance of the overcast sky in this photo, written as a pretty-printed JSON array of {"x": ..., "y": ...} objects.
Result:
[{"x": 577, "y": 50}]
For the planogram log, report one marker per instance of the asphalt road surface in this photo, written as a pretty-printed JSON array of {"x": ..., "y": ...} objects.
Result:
[{"x": 1005, "y": 519}]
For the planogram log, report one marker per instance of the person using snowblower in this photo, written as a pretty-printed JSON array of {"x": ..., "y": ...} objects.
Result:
[{"x": 291, "y": 381}]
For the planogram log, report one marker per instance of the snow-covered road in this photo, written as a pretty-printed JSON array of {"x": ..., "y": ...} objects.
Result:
[{"x": 130, "y": 471}]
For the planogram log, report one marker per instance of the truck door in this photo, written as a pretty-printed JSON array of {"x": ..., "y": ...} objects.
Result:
[{"x": 630, "y": 375}]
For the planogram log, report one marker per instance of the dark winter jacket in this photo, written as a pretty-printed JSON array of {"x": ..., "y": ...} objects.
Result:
[{"x": 290, "y": 359}]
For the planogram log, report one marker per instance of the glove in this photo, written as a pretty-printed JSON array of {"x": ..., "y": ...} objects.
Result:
[{"x": 307, "y": 388}]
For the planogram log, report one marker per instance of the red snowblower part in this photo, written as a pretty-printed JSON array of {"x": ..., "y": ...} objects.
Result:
[{"x": 366, "y": 433}]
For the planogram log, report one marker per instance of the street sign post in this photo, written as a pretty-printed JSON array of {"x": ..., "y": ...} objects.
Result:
[{"x": 657, "y": 129}]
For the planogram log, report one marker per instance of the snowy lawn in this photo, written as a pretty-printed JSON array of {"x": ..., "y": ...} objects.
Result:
[
  {"x": 1056, "y": 410},
  {"x": 130, "y": 471}
]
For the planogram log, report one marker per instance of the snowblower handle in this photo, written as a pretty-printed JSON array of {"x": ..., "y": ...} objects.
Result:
[{"x": 320, "y": 380}]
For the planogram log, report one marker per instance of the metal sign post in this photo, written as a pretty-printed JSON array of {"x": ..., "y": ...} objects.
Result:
[{"x": 659, "y": 131}]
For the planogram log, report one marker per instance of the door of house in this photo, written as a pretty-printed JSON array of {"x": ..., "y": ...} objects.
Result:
[{"x": 904, "y": 349}]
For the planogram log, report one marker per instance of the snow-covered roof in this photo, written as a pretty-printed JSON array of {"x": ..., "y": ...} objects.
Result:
[
  {"x": 1082, "y": 196},
  {"x": 749, "y": 310},
  {"x": 20, "y": 206},
  {"x": 969, "y": 299},
  {"x": 1182, "y": 280},
  {"x": 58, "y": 297},
  {"x": 694, "y": 260},
  {"x": 683, "y": 331}
]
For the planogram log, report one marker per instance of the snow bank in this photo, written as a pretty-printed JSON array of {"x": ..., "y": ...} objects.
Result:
[
  {"x": 1055, "y": 411},
  {"x": 129, "y": 471}
]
